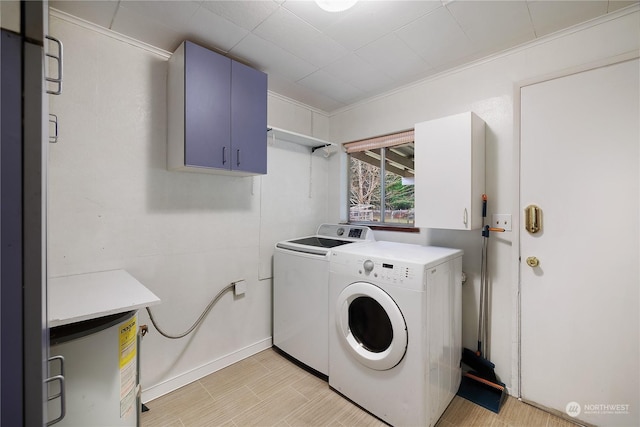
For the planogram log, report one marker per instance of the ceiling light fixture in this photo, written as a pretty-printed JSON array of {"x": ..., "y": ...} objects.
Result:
[{"x": 335, "y": 5}]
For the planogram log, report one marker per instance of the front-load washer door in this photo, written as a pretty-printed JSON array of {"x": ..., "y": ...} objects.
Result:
[{"x": 371, "y": 326}]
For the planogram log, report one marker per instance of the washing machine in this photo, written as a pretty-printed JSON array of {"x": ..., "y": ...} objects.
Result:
[
  {"x": 395, "y": 329},
  {"x": 301, "y": 292}
]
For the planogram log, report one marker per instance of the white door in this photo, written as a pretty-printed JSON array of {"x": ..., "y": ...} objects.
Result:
[{"x": 580, "y": 350}]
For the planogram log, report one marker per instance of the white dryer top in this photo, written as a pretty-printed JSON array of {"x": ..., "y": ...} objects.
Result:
[{"x": 425, "y": 256}]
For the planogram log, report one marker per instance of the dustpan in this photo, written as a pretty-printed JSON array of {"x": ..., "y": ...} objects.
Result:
[{"x": 488, "y": 394}]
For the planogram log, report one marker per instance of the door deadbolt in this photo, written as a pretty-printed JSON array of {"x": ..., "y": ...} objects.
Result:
[
  {"x": 533, "y": 219},
  {"x": 533, "y": 261}
]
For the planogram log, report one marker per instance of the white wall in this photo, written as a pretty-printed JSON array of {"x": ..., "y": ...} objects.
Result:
[
  {"x": 113, "y": 204},
  {"x": 185, "y": 236},
  {"x": 489, "y": 88}
]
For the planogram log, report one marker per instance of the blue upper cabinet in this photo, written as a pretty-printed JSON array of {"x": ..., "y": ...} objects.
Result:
[
  {"x": 207, "y": 115},
  {"x": 217, "y": 114},
  {"x": 248, "y": 118}
]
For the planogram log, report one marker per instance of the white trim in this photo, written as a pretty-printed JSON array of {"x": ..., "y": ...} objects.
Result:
[
  {"x": 627, "y": 56},
  {"x": 188, "y": 377},
  {"x": 486, "y": 59},
  {"x": 298, "y": 103},
  {"x": 516, "y": 366},
  {"x": 107, "y": 32},
  {"x": 515, "y": 249}
]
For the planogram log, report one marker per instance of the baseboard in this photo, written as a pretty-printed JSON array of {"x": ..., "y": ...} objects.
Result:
[{"x": 175, "y": 383}]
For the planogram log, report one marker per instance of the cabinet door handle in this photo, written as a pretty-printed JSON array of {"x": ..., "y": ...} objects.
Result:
[
  {"x": 58, "y": 59},
  {"x": 238, "y": 158},
  {"x": 465, "y": 217},
  {"x": 53, "y": 119},
  {"x": 224, "y": 155},
  {"x": 61, "y": 394}
]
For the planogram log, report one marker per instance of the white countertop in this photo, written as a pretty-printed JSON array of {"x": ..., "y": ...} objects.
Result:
[{"x": 91, "y": 295}]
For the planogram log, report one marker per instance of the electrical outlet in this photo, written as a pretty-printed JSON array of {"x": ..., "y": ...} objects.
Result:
[
  {"x": 240, "y": 287},
  {"x": 501, "y": 221}
]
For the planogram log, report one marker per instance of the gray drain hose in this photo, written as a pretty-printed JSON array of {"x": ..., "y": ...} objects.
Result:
[{"x": 197, "y": 322}]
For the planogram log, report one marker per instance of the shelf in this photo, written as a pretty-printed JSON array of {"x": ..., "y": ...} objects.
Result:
[
  {"x": 88, "y": 296},
  {"x": 298, "y": 138}
]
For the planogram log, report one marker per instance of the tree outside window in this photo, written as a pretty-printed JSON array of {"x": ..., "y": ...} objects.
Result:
[{"x": 367, "y": 188}]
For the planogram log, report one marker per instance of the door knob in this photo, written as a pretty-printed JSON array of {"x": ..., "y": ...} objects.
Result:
[{"x": 533, "y": 261}]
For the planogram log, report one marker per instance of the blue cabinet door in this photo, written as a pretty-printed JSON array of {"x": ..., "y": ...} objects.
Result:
[
  {"x": 207, "y": 115},
  {"x": 248, "y": 119}
]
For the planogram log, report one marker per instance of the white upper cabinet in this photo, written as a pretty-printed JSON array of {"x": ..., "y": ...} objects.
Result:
[{"x": 449, "y": 172}]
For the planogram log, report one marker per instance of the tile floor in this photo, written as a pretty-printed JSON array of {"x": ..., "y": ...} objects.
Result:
[{"x": 268, "y": 390}]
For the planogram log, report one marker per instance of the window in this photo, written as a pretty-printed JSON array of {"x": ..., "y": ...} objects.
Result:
[{"x": 381, "y": 178}]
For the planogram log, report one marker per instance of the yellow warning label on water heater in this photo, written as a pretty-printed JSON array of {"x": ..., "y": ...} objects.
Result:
[
  {"x": 128, "y": 344},
  {"x": 128, "y": 336}
]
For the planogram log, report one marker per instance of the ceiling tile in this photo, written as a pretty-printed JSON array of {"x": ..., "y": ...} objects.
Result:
[
  {"x": 213, "y": 31},
  {"x": 355, "y": 71},
  {"x": 493, "y": 25},
  {"x": 303, "y": 94},
  {"x": 246, "y": 14},
  {"x": 323, "y": 82},
  {"x": 98, "y": 12},
  {"x": 307, "y": 43},
  {"x": 437, "y": 38},
  {"x": 146, "y": 30},
  {"x": 171, "y": 13},
  {"x": 272, "y": 59},
  {"x": 370, "y": 20},
  {"x": 551, "y": 16},
  {"x": 392, "y": 56}
]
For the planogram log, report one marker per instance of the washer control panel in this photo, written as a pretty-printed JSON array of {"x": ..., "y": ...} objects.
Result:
[
  {"x": 388, "y": 272},
  {"x": 352, "y": 232},
  {"x": 389, "y": 263}
]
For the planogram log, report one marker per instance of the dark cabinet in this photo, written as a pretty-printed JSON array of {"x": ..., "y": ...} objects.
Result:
[
  {"x": 217, "y": 110},
  {"x": 207, "y": 116},
  {"x": 248, "y": 119}
]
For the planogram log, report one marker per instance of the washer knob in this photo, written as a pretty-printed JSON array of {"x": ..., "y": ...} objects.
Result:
[{"x": 368, "y": 265}]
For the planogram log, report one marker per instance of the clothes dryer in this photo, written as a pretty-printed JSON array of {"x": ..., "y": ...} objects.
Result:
[{"x": 395, "y": 329}]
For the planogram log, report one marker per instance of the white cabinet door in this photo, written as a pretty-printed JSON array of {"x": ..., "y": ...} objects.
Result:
[{"x": 449, "y": 160}]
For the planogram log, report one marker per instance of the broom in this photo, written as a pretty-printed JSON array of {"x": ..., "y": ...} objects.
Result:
[{"x": 480, "y": 385}]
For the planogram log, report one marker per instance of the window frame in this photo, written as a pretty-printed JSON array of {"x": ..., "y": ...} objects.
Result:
[{"x": 381, "y": 143}]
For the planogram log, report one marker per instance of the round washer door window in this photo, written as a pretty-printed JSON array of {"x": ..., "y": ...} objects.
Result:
[{"x": 371, "y": 326}]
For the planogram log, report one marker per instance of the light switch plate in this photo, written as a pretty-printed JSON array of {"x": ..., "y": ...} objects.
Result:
[{"x": 501, "y": 221}]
